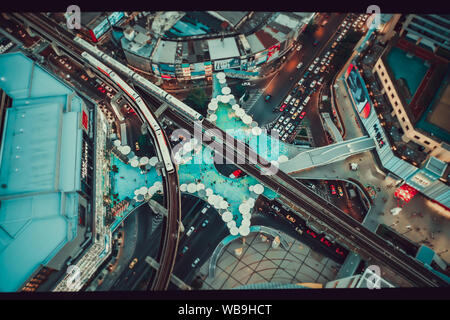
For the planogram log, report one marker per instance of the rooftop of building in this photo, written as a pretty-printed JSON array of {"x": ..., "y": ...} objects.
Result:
[
  {"x": 421, "y": 80},
  {"x": 142, "y": 44},
  {"x": 223, "y": 48},
  {"x": 40, "y": 169}
]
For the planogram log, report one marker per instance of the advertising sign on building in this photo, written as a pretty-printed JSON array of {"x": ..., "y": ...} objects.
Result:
[
  {"x": 155, "y": 69},
  {"x": 421, "y": 180},
  {"x": 357, "y": 88},
  {"x": 84, "y": 119},
  {"x": 260, "y": 58},
  {"x": 226, "y": 63}
]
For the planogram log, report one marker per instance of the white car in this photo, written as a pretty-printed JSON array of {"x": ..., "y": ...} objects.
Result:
[
  {"x": 285, "y": 122},
  {"x": 189, "y": 232},
  {"x": 316, "y": 60},
  {"x": 316, "y": 71},
  {"x": 196, "y": 261},
  {"x": 313, "y": 84},
  {"x": 301, "y": 81},
  {"x": 311, "y": 67},
  {"x": 339, "y": 38},
  {"x": 299, "y": 65}
]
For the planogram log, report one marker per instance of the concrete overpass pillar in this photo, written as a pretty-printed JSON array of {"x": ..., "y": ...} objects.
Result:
[
  {"x": 156, "y": 207},
  {"x": 174, "y": 279},
  {"x": 56, "y": 49}
]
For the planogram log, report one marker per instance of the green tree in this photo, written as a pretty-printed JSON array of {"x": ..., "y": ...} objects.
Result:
[
  {"x": 240, "y": 90},
  {"x": 197, "y": 98}
]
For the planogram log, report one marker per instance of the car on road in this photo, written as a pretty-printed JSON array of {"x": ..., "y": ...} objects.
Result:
[
  {"x": 294, "y": 116},
  {"x": 133, "y": 263},
  {"x": 283, "y": 106},
  {"x": 333, "y": 189},
  {"x": 267, "y": 97},
  {"x": 287, "y": 99},
  {"x": 246, "y": 83},
  {"x": 316, "y": 60},
  {"x": 323, "y": 68},
  {"x": 299, "y": 47},
  {"x": 297, "y": 102},
  {"x": 311, "y": 233},
  {"x": 313, "y": 83},
  {"x": 339, "y": 38},
  {"x": 291, "y": 129},
  {"x": 315, "y": 42},
  {"x": 341, "y": 193},
  {"x": 286, "y": 135},
  {"x": 290, "y": 218},
  {"x": 311, "y": 67},
  {"x": 316, "y": 71},
  {"x": 109, "y": 95},
  {"x": 189, "y": 232},
  {"x": 205, "y": 209},
  {"x": 325, "y": 241},
  {"x": 196, "y": 261},
  {"x": 300, "y": 82},
  {"x": 334, "y": 45},
  {"x": 205, "y": 223},
  {"x": 299, "y": 65},
  {"x": 302, "y": 115},
  {"x": 305, "y": 102},
  {"x": 281, "y": 119},
  {"x": 285, "y": 122},
  {"x": 184, "y": 250},
  {"x": 320, "y": 81},
  {"x": 294, "y": 91}
]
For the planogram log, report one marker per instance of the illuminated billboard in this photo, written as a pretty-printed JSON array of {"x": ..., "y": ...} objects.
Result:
[
  {"x": 104, "y": 26},
  {"x": 357, "y": 88},
  {"x": 227, "y": 63}
]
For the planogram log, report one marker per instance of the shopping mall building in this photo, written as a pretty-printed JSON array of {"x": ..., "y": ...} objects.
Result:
[
  {"x": 186, "y": 46},
  {"x": 400, "y": 90},
  {"x": 46, "y": 173}
]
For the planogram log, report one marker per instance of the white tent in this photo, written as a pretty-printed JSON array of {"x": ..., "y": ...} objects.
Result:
[
  {"x": 227, "y": 216},
  {"x": 143, "y": 190},
  {"x": 256, "y": 131},
  {"x": 191, "y": 188},
  {"x": 134, "y": 163},
  {"x": 153, "y": 161},
  {"x": 209, "y": 191},
  {"x": 126, "y": 150},
  {"x": 240, "y": 112},
  {"x": 234, "y": 231},
  {"x": 244, "y": 230},
  {"x": 245, "y": 223},
  {"x": 231, "y": 224},
  {"x": 200, "y": 186},
  {"x": 226, "y": 90},
  {"x": 247, "y": 119},
  {"x": 220, "y": 75},
  {"x": 143, "y": 161},
  {"x": 258, "y": 189},
  {"x": 213, "y": 117}
]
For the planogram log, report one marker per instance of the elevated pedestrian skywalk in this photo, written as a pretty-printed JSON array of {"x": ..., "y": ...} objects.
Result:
[{"x": 327, "y": 154}]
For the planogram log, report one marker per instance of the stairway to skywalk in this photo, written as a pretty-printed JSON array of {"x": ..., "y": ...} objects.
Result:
[{"x": 328, "y": 154}]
